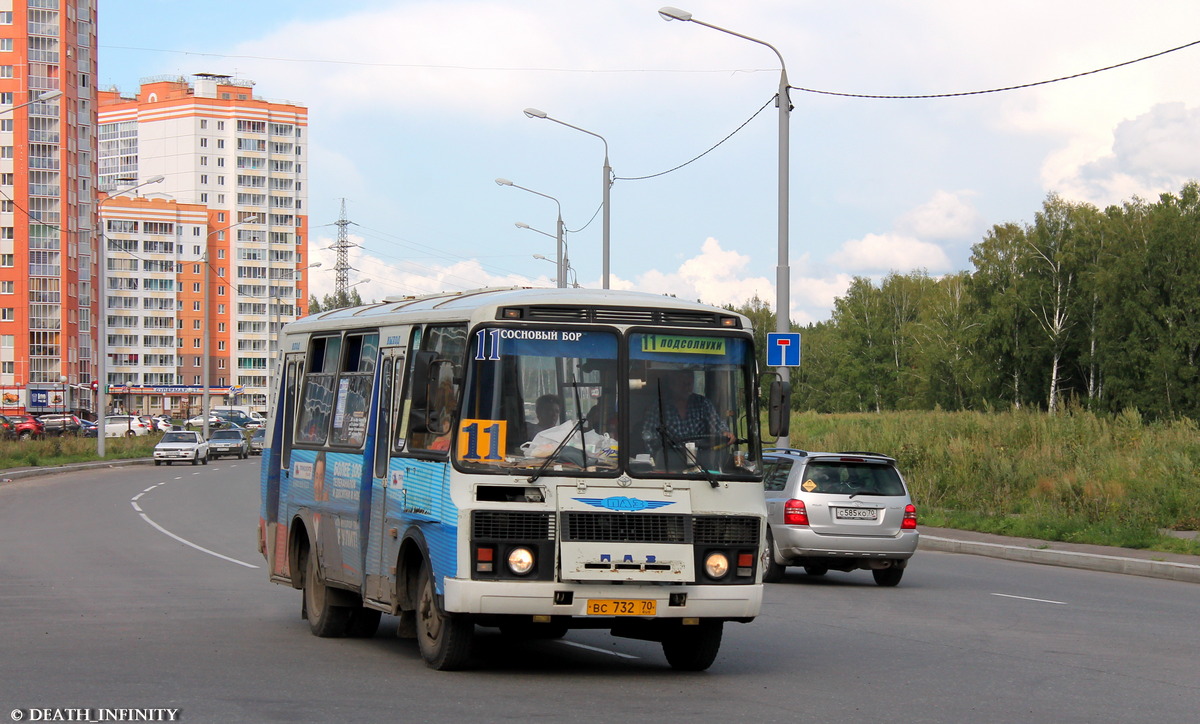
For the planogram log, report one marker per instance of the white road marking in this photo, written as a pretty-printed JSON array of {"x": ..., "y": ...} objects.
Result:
[
  {"x": 598, "y": 650},
  {"x": 1037, "y": 600},
  {"x": 184, "y": 541}
]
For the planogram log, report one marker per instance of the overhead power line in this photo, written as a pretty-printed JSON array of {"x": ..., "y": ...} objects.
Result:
[{"x": 998, "y": 90}]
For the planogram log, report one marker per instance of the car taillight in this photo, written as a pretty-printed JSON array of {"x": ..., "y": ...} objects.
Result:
[
  {"x": 910, "y": 518},
  {"x": 794, "y": 513}
]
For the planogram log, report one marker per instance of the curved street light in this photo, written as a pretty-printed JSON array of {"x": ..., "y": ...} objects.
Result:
[
  {"x": 562, "y": 276},
  {"x": 783, "y": 322},
  {"x": 607, "y": 185},
  {"x": 564, "y": 266}
]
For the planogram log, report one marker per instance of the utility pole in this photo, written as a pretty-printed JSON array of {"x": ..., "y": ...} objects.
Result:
[{"x": 341, "y": 281}]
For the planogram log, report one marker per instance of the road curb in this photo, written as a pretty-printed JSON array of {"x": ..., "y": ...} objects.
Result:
[
  {"x": 19, "y": 473},
  {"x": 1068, "y": 559}
]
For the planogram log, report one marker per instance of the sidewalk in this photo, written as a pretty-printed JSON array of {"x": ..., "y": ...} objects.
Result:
[{"x": 1155, "y": 564}]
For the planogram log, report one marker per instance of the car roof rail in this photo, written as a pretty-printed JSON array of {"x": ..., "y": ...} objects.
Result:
[
  {"x": 794, "y": 450},
  {"x": 866, "y": 452}
]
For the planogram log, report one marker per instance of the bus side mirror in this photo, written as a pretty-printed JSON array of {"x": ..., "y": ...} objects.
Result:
[{"x": 779, "y": 409}]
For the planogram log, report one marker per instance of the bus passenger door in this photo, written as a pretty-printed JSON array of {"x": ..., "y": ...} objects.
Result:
[
  {"x": 387, "y": 485},
  {"x": 278, "y": 469}
]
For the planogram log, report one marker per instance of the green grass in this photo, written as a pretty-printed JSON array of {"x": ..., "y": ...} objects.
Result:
[
  {"x": 61, "y": 450},
  {"x": 1075, "y": 476}
]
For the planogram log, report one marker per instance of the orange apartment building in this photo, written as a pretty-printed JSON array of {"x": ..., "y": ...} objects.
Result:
[
  {"x": 47, "y": 204},
  {"x": 155, "y": 253},
  {"x": 241, "y": 159}
]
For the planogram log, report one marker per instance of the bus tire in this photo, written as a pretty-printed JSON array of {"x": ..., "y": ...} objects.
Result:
[
  {"x": 324, "y": 619},
  {"x": 693, "y": 648},
  {"x": 444, "y": 639},
  {"x": 773, "y": 573}
]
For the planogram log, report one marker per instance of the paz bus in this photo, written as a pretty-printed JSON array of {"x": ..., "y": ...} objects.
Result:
[{"x": 409, "y": 469}]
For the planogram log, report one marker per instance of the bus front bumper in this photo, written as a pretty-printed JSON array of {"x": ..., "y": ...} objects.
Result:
[{"x": 547, "y": 598}]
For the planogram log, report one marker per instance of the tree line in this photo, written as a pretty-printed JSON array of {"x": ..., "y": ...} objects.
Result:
[{"x": 1089, "y": 307}]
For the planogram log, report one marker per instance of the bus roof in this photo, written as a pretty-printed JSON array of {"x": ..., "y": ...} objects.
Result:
[{"x": 479, "y": 305}]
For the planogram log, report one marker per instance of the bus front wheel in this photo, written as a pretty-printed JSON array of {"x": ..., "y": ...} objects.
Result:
[
  {"x": 324, "y": 619},
  {"x": 693, "y": 648},
  {"x": 444, "y": 639}
]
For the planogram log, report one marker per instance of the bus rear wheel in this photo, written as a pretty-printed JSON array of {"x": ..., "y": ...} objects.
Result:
[
  {"x": 324, "y": 619},
  {"x": 444, "y": 639},
  {"x": 693, "y": 648}
]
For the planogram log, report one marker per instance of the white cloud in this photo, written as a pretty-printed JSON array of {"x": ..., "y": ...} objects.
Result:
[
  {"x": 714, "y": 276},
  {"x": 1155, "y": 152},
  {"x": 881, "y": 253},
  {"x": 945, "y": 216}
]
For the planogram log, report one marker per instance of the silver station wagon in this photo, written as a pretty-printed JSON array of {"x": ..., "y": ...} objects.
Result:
[{"x": 837, "y": 511}]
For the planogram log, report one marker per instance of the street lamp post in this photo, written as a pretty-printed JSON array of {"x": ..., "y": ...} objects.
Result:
[
  {"x": 783, "y": 322},
  {"x": 563, "y": 265},
  {"x": 101, "y": 323},
  {"x": 561, "y": 230},
  {"x": 607, "y": 186}
]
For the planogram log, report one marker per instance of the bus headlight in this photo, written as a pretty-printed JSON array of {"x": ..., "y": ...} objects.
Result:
[
  {"x": 716, "y": 565},
  {"x": 520, "y": 561}
]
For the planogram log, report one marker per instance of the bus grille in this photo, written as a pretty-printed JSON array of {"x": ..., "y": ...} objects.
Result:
[
  {"x": 725, "y": 530},
  {"x": 512, "y": 525},
  {"x": 657, "y": 528}
]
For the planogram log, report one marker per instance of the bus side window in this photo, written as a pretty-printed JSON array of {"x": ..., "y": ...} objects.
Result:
[
  {"x": 434, "y": 386},
  {"x": 354, "y": 389},
  {"x": 317, "y": 392}
]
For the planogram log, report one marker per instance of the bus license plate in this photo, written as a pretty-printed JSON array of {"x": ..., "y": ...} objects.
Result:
[
  {"x": 855, "y": 513},
  {"x": 621, "y": 607}
]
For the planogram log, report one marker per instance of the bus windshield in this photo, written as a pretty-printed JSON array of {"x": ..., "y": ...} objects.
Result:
[
  {"x": 566, "y": 401},
  {"x": 537, "y": 395}
]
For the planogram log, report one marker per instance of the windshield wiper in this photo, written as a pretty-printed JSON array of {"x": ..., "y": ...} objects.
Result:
[{"x": 577, "y": 427}]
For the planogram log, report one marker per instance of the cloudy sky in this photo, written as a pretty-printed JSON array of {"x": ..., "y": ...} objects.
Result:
[{"x": 415, "y": 109}]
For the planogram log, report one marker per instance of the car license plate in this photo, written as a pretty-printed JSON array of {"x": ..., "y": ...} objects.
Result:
[
  {"x": 856, "y": 513},
  {"x": 621, "y": 607}
]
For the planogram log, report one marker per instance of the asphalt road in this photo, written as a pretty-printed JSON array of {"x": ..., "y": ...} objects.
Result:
[{"x": 142, "y": 587}]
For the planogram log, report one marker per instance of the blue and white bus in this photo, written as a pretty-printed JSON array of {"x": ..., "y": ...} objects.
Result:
[{"x": 534, "y": 460}]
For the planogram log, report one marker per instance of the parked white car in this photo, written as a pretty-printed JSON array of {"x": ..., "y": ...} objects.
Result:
[
  {"x": 181, "y": 445},
  {"x": 124, "y": 426}
]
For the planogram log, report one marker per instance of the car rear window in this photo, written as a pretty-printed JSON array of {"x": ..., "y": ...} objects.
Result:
[
  {"x": 226, "y": 435},
  {"x": 847, "y": 478}
]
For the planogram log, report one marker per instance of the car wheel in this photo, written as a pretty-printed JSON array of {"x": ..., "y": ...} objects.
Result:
[
  {"x": 773, "y": 573},
  {"x": 157, "y": 463},
  {"x": 444, "y": 639},
  {"x": 693, "y": 648},
  {"x": 888, "y": 576},
  {"x": 815, "y": 570},
  {"x": 205, "y": 461},
  {"x": 130, "y": 433},
  {"x": 25, "y": 435},
  {"x": 195, "y": 460}
]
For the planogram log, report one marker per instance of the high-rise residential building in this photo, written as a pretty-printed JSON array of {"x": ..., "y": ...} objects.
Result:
[
  {"x": 242, "y": 157},
  {"x": 47, "y": 202}
]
